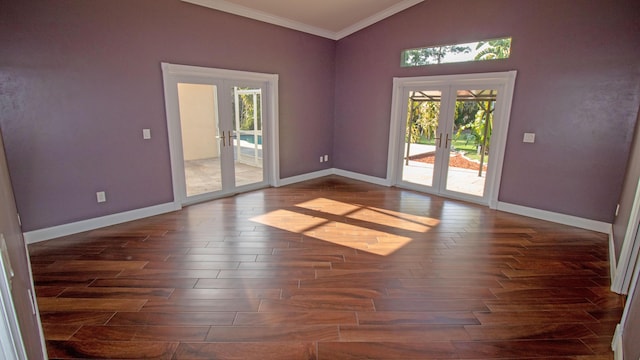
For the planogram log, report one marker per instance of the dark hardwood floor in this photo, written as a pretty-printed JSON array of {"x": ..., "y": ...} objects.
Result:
[{"x": 328, "y": 269}]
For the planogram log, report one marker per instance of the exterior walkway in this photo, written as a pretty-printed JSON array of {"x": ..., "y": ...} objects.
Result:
[{"x": 458, "y": 179}]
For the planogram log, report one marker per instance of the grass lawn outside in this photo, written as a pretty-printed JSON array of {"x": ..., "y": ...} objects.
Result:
[{"x": 470, "y": 148}]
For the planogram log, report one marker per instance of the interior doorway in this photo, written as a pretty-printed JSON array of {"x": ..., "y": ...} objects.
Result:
[
  {"x": 448, "y": 134},
  {"x": 222, "y": 131}
]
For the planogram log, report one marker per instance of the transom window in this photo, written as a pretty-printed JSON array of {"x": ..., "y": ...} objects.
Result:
[{"x": 493, "y": 49}]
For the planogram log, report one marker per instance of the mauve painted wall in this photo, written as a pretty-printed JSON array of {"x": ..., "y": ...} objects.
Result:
[
  {"x": 577, "y": 88},
  {"x": 79, "y": 80}
]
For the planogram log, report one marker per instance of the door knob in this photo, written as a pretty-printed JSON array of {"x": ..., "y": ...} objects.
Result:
[{"x": 439, "y": 140}]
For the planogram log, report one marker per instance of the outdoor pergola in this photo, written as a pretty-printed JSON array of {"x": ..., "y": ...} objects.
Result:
[{"x": 484, "y": 98}]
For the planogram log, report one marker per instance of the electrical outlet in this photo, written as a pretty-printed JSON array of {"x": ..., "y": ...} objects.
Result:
[
  {"x": 101, "y": 196},
  {"x": 321, "y": 159},
  {"x": 146, "y": 134},
  {"x": 326, "y": 158},
  {"x": 529, "y": 138}
]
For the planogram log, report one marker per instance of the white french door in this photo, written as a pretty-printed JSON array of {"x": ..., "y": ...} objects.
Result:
[
  {"x": 221, "y": 131},
  {"x": 448, "y": 134}
]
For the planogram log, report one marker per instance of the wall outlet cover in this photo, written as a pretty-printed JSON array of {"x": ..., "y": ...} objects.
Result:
[{"x": 529, "y": 138}]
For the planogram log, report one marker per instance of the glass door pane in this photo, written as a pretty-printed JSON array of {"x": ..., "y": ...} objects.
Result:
[
  {"x": 247, "y": 135},
  {"x": 199, "y": 122},
  {"x": 421, "y": 137},
  {"x": 470, "y": 140}
]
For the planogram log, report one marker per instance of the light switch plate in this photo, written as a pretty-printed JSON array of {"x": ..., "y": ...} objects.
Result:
[
  {"x": 529, "y": 138},
  {"x": 146, "y": 134}
]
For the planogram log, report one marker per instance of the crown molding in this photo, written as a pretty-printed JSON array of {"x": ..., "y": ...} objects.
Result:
[
  {"x": 401, "y": 6},
  {"x": 244, "y": 11}
]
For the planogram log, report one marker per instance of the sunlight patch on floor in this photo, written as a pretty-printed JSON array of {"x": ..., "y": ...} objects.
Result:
[{"x": 366, "y": 233}]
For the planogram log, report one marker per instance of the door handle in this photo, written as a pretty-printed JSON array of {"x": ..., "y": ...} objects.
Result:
[
  {"x": 223, "y": 139},
  {"x": 439, "y": 140},
  {"x": 447, "y": 141},
  {"x": 229, "y": 137}
]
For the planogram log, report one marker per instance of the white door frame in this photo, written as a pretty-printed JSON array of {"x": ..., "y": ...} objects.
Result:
[
  {"x": 174, "y": 73},
  {"x": 11, "y": 343},
  {"x": 630, "y": 249},
  {"x": 506, "y": 81},
  {"x": 634, "y": 282}
]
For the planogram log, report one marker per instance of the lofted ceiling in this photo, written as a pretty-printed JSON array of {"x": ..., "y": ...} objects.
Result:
[{"x": 333, "y": 19}]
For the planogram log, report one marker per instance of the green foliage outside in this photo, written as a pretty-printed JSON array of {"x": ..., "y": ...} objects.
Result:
[
  {"x": 432, "y": 55},
  {"x": 497, "y": 49},
  {"x": 247, "y": 112},
  {"x": 423, "y": 119},
  {"x": 469, "y": 125}
]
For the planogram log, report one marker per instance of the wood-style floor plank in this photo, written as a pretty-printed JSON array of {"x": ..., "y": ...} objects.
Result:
[
  {"x": 286, "y": 350},
  {"x": 330, "y": 269}
]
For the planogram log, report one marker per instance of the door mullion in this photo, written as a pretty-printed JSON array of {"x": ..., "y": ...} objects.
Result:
[
  {"x": 445, "y": 127},
  {"x": 225, "y": 99}
]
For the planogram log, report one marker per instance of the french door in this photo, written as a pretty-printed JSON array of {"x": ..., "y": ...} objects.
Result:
[
  {"x": 220, "y": 132},
  {"x": 448, "y": 134}
]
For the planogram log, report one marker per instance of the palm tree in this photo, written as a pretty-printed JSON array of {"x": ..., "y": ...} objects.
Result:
[{"x": 497, "y": 49}]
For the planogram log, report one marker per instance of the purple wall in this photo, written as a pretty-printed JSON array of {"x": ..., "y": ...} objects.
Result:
[
  {"x": 578, "y": 89},
  {"x": 79, "y": 80}
]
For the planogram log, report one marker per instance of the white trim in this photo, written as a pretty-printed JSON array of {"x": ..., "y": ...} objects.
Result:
[
  {"x": 613, "y": 261},
  {"x": 254, "y": 14},
  {"x": 35, "y": 236},
  {"x": 499, "y": 138},
  {"x": 173, "y": 74},
  {"x": 11, "y": 344},
  {"x": 616, "y": 344},
  {"x": 34, "y": 303},
  {"x": 333, "y": 171},
  {"x": 247, "y": 12},
  {"x": 397, "y": 108},
  {"x": 564, "y": 219},
  {"x": 401, "y": 6},
  {"x": 618, "y": 337},
  {"x": 630, "y": 248},
  {"x": 273, "y": 111},
  {"x": 304, "y": 177},
  {"x": 362, "y": 177},
  {"x": 225, "y": 74},
  {"x": 503, "y": 81}
]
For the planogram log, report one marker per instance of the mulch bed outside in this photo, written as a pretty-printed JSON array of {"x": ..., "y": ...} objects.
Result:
[{"x": 455, "y": 160}]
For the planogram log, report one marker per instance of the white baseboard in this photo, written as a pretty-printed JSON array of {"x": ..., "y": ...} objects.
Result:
[
  {"x": 304, "y": 177},
  {"x": 35, "y": 236},
  {"x": 564, "y": 219},
  {"x": 613, "y": 261},
  {"x": 361, "y": 177},
  {"x": 333, "y": 171},
  {"x": 616, "y": 344},
  {"x": 31, "y": 237}
]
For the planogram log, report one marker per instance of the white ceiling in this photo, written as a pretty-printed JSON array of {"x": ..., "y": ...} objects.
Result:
[{"x": 333, "y": 19}]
